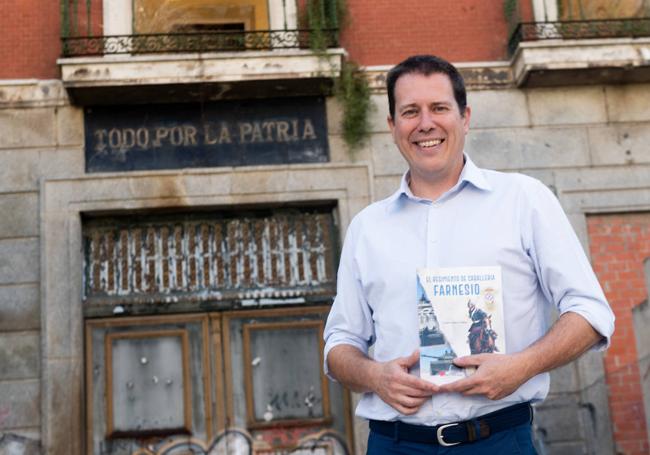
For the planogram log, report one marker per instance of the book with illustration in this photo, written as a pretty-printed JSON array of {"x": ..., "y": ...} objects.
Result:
[{"x": 460, "y": 311}]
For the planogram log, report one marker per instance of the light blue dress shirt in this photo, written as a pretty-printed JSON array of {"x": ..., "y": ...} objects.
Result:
[{"x": 488, "y": 218}]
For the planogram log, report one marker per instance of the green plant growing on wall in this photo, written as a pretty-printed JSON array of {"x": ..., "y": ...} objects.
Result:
[
  {"x": 511, "y": 13},
  {"x": 353, "y": 92},
  {"x": 351, "y": 89},
  {"x": 560, "y": 9},
  {"x": 323, "y": 18}
]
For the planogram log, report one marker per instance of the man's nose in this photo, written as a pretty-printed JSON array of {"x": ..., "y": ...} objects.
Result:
[{"x": 427, "y": 122}]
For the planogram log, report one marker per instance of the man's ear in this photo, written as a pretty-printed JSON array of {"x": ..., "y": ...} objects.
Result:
[
  {"x": 466, "y": 116},
  {"x": 391, "y": 123}
]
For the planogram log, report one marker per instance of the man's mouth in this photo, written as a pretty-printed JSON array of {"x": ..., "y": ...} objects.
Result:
[{"x": 430, "y": 143}]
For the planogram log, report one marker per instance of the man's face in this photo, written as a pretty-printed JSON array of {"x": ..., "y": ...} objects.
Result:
[{"x": 428, "y": 127}]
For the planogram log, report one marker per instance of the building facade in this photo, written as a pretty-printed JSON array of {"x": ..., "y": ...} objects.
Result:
[{"x": 176, "y": 187}]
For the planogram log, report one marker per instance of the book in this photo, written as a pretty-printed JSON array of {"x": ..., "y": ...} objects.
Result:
[{"x": 460, "y": 311}]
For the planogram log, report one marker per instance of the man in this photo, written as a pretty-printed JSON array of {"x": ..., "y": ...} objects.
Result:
[{"x": 450, "y": 213}]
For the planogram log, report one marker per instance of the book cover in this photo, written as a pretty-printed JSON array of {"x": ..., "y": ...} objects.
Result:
[{"x": 460, "y": 311}]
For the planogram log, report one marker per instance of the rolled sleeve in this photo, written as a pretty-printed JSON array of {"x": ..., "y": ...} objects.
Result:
[
  {"x": 350, "y": 318},
  {"x": 564, "y": 272}
]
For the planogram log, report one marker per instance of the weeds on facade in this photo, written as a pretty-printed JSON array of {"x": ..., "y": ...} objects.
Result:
[
  {"x": 351, "y": 88},
  {"x": 353, "y": 92}
]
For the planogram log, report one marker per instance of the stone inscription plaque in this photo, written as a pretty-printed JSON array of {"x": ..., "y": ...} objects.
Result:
[{"x": 229, "y": 133}]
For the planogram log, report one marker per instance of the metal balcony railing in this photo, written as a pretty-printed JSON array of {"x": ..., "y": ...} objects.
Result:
[
  {"x": 222, "y": 41},
  {"x": 584, "y": 29}
]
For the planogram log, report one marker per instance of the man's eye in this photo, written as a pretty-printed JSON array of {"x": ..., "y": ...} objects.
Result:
[
  {"x": 440, "y": 108},
  {"x": 409, "y": 113}
]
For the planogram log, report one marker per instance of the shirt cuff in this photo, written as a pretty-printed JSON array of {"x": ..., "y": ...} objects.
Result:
[{"x": 601, "y": 321}]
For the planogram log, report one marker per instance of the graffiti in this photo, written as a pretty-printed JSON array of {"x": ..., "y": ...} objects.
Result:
[
  {"x": 240, "y": 442},
  {"x": 328, "y": 438},
  {"x": 293, "y": 400},
  {"x": 228, "y": 442},
  {"x": 11, "y": 443}
]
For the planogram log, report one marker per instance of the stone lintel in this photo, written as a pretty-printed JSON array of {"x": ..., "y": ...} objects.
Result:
[{"x": 558, "y": 62}]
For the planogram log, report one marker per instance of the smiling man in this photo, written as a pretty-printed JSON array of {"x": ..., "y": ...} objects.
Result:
[{"x": 450, "y": 213}]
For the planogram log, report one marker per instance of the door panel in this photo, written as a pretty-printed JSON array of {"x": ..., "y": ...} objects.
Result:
[{"x": 146, "y": 379}]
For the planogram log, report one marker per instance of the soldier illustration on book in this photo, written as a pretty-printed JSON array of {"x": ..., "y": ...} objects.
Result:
[{"x": 481, "y": 337}]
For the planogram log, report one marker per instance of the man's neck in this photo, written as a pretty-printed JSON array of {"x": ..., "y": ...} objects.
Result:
[{"x": 432, "y": 187}]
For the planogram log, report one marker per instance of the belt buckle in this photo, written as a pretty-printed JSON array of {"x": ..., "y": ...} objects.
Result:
[{"x": 440, "y": 438}]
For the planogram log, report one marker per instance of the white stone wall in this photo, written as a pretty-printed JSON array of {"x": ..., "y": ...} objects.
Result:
[{"x": 38, "y": 135}]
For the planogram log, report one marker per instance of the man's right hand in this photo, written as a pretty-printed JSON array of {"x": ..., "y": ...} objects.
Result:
[
  {"x": 391, "y": 381},
  {"x": 401, "y": 390}
]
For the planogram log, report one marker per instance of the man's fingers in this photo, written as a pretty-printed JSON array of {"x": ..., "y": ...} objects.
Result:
[
  {"x": 404, "y": 410},
  {"x": 411, "y": 359},
  {"x": 401, "y": 375},
  {"x": 413, "y": 402},
  {"x": 474, "y": 386},
  {"x": 419, "y": 384},
  {"x": 471, "y": 360},
  {"x": 460, "y": 386},
  {"x": 470, "y": 385},
  {"x": 403, "y": 391},
  {"x": 409, "y": 405},
  {"x": 406, "y": 389}
]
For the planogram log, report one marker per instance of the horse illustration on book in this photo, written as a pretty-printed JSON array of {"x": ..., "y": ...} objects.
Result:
[{"x": 481, "y": 337}]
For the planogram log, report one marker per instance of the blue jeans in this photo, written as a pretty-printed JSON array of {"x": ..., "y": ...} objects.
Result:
[{"x": 515, "y": 441}]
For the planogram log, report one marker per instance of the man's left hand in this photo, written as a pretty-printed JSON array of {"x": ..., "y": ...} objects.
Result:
[{"x": 497, "y": 376}]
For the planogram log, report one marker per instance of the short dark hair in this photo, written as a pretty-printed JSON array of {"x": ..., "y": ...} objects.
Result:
[{"x": 426, "y": 65}]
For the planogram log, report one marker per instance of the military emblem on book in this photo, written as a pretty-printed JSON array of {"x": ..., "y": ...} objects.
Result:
[{"x": 461, "y": 313}]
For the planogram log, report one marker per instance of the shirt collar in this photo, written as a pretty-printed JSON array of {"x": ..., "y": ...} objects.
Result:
[{"x": 471, "y": 174}]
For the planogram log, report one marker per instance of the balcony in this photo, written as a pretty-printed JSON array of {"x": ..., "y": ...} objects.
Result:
[
  {"x": 581, "y": 52},
  {"x": 227, "y": 41},
  {"x": 194, "y": 53}
]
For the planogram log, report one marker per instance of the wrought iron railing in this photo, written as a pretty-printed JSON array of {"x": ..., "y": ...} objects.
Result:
[
  {"x": 198, "y": 42},
  {"x": 585, "y": 29}
]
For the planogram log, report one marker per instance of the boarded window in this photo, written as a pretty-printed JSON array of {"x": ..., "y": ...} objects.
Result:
[{"x": 220, "y": 257}]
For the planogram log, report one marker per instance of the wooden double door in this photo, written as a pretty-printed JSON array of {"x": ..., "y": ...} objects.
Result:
[
  {"x": 232, "y": 382},
  {"x": 203, "y": 332}
]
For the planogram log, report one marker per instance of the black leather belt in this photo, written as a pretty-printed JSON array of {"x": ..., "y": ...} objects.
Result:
[{"x": 451, "y": 434}]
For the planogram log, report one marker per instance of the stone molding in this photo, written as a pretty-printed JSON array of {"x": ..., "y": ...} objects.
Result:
[
  {"x": 477, "y": 75},
  {"x": 223, "y": 67},
  {"x": 608, "y": 189},
  {"x": 25, "y": 93},
  {"x": 567, "y": 61}
]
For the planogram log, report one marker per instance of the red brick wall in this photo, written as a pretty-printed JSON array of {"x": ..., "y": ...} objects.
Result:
[
  {"x": 29, "y": 39},
  {"x": 384, "y": 32},
  {"x": 619, "y": 244},
  {"x": 380, "y": 32}
]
